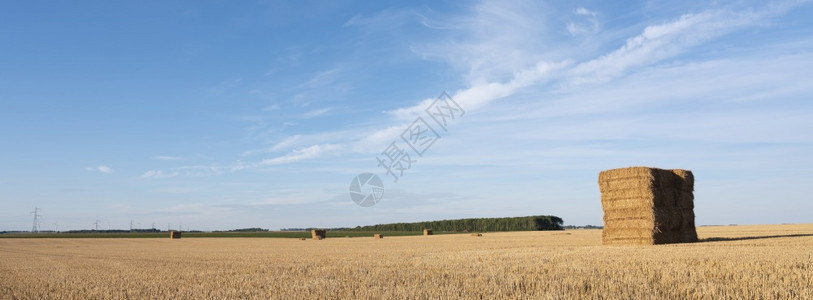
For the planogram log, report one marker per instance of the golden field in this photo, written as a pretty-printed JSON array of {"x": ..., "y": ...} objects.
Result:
[{"x": 733, "y": 262}]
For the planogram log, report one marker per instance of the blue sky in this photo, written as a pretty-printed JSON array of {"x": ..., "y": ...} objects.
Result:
[{"x": 217, "y": 115}]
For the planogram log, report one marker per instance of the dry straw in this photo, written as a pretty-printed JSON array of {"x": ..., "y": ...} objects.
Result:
[
  {"x": 318, "y": 234},
  {"x": 646, "y": 206}
]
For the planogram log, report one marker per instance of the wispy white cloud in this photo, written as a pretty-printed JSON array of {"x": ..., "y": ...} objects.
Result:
[
  {"x": 167, "y": 157},
  {"x": 632, "y": 119},
  {"x": 159, "y": 174},
  {"x": 272, "y": 107},
  {"x": 302, "y": 154},
  {"x": 102, "y": 168},
  {"x": 659, "y": 42},
  {"x": 585, "y": 12},
  {"x": 200, "y": 170},
  {"x": 410, "y": 112},
  {"x": 585, "y": 22},
  {"x": 321, "y": 79},
  {"x": 492, "y": 42},
  {"x": 296, "y": 155},
  {"x": 193, "y": 171},
  {"x": 482, "y": 94},
  {"x": 344, "y": 136},
  {"x": 722, "y": 80},
  {"x": 376, "y": 140},
  {"x": 511, "y": 53},
  {"x": 316, "y": 112},
  {"x": 653, "y": 44},
  {"x": 525, "y": 69},
  {"x": 287, "y": 142},
  {"x": 327, "y": 85},
  {"x": 384, "y": 21}
]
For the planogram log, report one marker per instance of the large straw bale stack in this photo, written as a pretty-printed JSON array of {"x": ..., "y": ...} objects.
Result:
[
  {"x": 318, "y": 234},
  {"x": 378, "y": 236},
  {"x": 427, "y": 232},
  {"x": 174, "y": 234},
  {"x": 647, "y": 206}
]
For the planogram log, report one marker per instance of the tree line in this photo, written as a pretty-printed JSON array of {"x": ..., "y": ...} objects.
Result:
[{"x": 474, "y": 224}]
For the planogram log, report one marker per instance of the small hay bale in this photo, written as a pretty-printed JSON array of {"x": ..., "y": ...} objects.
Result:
[
  {"x": 302, "y": 239},
  {"x": 378, "y": 236},
  {"x": 647, "y": 206},
  {"x": 427, "y": 232},
  {"x": 174, "y": 234},
  {"x": 476, "y": 234},
  {"x": 318, "y": 234}
]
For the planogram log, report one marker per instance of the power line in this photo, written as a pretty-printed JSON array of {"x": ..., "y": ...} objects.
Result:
[{"x": 35, "y": 229}]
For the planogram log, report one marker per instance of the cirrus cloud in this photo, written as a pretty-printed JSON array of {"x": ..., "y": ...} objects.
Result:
[{"x": 101, "y": 168}]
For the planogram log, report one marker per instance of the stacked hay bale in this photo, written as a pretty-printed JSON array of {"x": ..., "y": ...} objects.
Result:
[
  {"x": 378, "y": 236},
  {"x": 427, "y": 232},
  {"x": 173, "y": 234},
  {"x": 318, "y": 234},
  {"x": 647, "y": 206}
]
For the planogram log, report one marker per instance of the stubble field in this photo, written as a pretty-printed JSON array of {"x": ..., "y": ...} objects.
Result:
[{"x": 733, "y": 262}]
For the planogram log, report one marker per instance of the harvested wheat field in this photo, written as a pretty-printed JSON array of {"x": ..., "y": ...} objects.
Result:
[{"x": 730, "y": 262}]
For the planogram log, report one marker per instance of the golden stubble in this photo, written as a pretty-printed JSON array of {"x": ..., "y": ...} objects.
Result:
[{"x": 768, "y": 262}]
